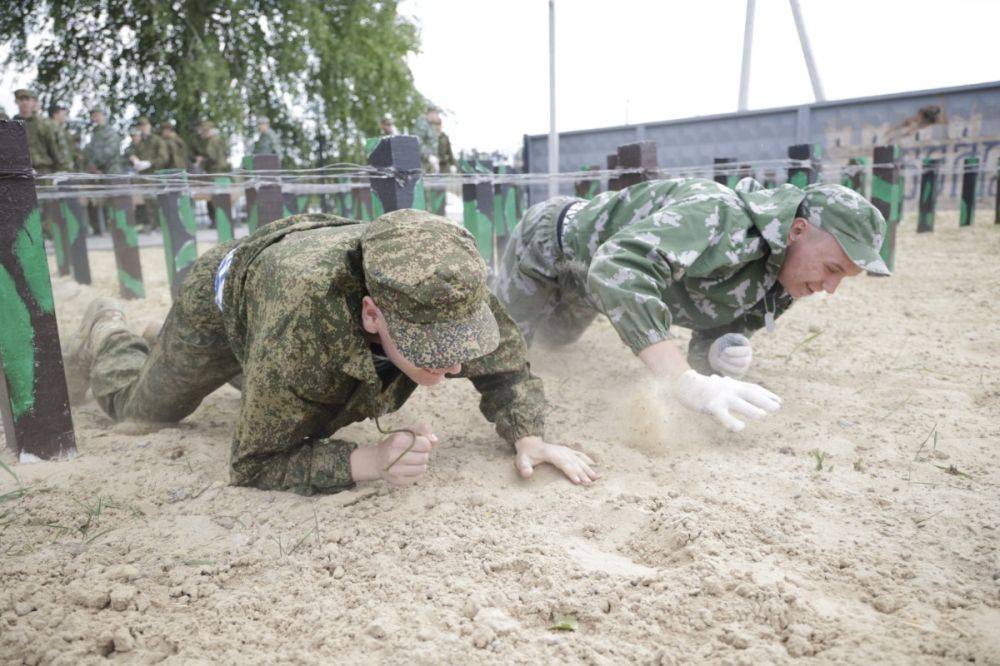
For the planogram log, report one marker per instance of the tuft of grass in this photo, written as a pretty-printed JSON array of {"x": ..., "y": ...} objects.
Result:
[
  {"x": 954, "y": 471},
  {"x": 820, "y": 457},
  {"x": 859, "y": 465},
  {"x": 802, "y": 343},
  {"x": 565, "y": 623},
  {"x": 5, "y": 467}
]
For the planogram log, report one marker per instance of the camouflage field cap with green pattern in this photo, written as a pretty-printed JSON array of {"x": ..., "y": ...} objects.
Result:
[
  {"x": 850, "y": 218},
  {"x": 425, "y": 275},
  {"x": 25, "y": 92}
]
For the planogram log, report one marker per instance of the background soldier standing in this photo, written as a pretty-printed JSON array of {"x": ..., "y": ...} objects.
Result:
[
  {"x": 267, "y": 140},
  {"x": 152, "y": 148},
  {"x": 211, "y": 153},
  {"x": 102, "y": 155},
  {"x": 57, "y": 116},
  {"x": 177, "y": 150},
  {"x": 43, "y": 142}
]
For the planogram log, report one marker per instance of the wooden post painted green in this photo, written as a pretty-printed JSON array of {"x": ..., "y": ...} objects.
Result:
[
  {"x": 477, "y": 209},
  {"x": 252, "y": 209},
  {"x": 74, "y": 215},
  {"x": 53, "y": 222},
  {"x": 722, "y": 170},
  {"x": 928, "y": 195},
  {"x": 967, "y": 204},
  {"x": 180, "y": 243},
  {"x": 614, "y": 184},
  {"x": 887, "y": 192},
  {"x": 803, "y": 175},
  {"x": 854, "y": 175},
  {"x": 587, "y": 188},
  {"x": 126, "y": 243},
  {"x": 34, "y": 402},
  {"x": 222, "y": 202}
]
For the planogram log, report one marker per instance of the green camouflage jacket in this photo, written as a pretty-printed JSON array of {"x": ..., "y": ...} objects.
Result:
[
  {"x": 153, "y": 149},
  {"x": 292, "y": 315},
  {"x": 177, "y": 152},
  {"x": 267, "y": 144},
  {"x": 47, "y": 153},
  {"x": 104, "y": 150},
  {"x": 690, "y": 252},
  {"x": 214, "y": 153}
]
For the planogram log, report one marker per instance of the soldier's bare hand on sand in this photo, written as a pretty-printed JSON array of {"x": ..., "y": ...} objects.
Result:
[
  {"x": 576, "y": 465},
  {"x": 398, "y": 459}
]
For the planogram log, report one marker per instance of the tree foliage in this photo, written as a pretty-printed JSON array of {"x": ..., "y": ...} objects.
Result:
[{"x": 323, "y": 71}]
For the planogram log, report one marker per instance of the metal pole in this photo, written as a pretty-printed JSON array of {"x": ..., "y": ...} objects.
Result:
[
  {"x": 800, "y": 26},
  {"x": 747, "y": 47},
  {"x": 553, "y": 136}
]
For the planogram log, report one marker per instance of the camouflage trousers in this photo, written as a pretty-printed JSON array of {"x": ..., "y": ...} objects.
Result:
[
  {"x": 534, "y": 282},
  {"x": 191, "y": 358}
]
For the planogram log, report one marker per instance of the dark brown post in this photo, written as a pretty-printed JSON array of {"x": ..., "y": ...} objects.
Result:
[
  {"x": 126, "y": 244},
  {"x": 641, "y": 155},
  {"x": 74, "y": 215},
  {"x": 401, "y": 155},
  {"x": 34, "y": 401},
  {"x": 970, "y": 174},
  {"x": 222, "y": 203},
  {"x": 887, "y": 192},
  {"x": 270, "y": 204},
  {"x": 724, "y": 171},
  {"x": 614, "y": 184},
  {"x": 928, "y": 195},
  {"x": 801, "y": 175}
]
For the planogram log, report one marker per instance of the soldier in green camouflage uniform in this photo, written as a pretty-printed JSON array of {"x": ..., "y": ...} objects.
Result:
[
  {"x": 57, "y": 116},
  {"x": 267, "y": 140},
  {"x": 690, "y": 252},
  {"x": 103, "y": 153},
  {"x": 331, "y": 321},
  {"x": 426, "y": 129},
  {"x": 47, "y": 156},
  {"x": 152, "y": 148},
  {"x": 210, "y": 152},
  {"x": 177, "y": 150}
]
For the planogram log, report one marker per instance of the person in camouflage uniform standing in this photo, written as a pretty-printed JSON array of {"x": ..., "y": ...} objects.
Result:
[
  {"x": 267, "y": 140},
  {"x": 425, "y": 129},
  {"x": 103, "y": 153},
  {"x": 211, "y": 153},
  {"x": 47, "y": 155},
  {"x": 177, "y": 150},
  {"x": 57, "y": 116},
  {"x": 691, "y": 252},
  {"x": 331, "y": 321},
  {"x": 151, "y": 148}
]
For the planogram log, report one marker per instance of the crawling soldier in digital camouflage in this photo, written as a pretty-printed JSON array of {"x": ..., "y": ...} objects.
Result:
[
  {"x": 331, "y": 321},
  {"x": 690, "y": 252}
]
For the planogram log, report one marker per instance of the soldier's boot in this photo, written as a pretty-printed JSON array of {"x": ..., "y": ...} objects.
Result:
[{"x": 103, "y": 317}]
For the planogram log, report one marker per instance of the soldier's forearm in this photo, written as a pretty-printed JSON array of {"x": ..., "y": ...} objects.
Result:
[{"x": 664, "y": 359}]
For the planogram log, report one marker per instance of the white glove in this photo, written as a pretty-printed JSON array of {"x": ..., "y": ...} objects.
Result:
[
  {"x": 434, "y": 163},
  {"x": 723, "y": 396},
  {"x": 731, "y": 355},
  {"x": 142, "y": 165}
]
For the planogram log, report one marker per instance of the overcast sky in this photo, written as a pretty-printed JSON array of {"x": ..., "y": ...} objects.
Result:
[
  {"x": 618, "y": 61},
  {"x": 632, "y": 61}
]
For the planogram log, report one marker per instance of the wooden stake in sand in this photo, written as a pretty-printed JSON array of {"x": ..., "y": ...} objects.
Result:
[
  {"x": 34, "y": 402},
  {"x": 641, "y": 155},
  {"x": 400, "y": 154},
  {"x": 723, "y": 171},
  {"x": 803, "y": 175},
  {"x": 222, "y": 203},
  {"x": 74, "y": 215},
  {"x": 126, "y": 243},
  {"x": 970, "y": 176},
  {"x": 928, "y": 194},
  {"x": 477, "y": 209},
  {"x": 887, "y": 193},
  {"x": 180, "y": 242},
  {"x": 613, "y": 183},
  {"x": 270, "y": 203}
]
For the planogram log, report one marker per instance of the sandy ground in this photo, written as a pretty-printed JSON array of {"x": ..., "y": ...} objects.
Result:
[{"x": 697, "y": 545}]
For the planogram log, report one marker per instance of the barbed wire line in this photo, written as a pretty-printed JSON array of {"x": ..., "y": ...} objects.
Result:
[{"x": 350, "y": 177}]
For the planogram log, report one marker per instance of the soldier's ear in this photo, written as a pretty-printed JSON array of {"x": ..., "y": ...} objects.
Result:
[{"x": 798, "y": 229}]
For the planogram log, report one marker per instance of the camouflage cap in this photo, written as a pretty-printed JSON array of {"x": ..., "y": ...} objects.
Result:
[
  {"x": 425, "y": 275},
  {"x": 25, "y": 92},
  {"x": 142, "y": 120},
  {"x": 850, "y": 218}
]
